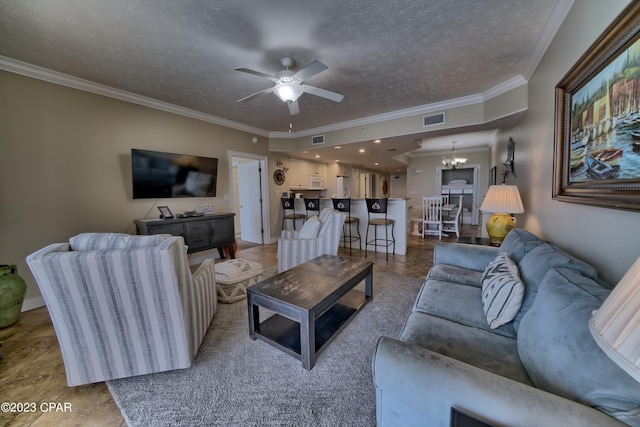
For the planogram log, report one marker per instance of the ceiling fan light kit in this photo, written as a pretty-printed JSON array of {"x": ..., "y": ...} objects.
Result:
[
  {"x": 288, "y": 85},
  {"x": 288, "y": 92}
]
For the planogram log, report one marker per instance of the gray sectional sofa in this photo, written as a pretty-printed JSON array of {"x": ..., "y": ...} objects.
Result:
[{"x": 541, "y": 369}]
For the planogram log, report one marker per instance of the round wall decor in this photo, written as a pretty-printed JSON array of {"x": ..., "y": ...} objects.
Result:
[{"x": 278, "y": 176}]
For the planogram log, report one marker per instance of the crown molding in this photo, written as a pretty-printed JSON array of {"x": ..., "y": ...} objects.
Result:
[
  {"x": 29, "y": 70},
  {"x": 552, "y": 26},
  {"x": 398, "y": 114},
  {"x": 504, "y": 87},
  {"x": 413, "y": 111}
]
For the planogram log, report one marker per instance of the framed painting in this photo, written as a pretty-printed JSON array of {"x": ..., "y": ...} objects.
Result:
[{"x": 597, "y": 121}]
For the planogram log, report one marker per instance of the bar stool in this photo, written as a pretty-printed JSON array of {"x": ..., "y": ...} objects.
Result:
[
  {"x": 344, "y": 205},
  {"x": 312, "y": 206},
  {"x": 289, "y": 204},
  {"x": 375, "y": 208}
]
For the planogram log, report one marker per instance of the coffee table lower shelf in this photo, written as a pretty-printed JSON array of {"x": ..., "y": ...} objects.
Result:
[{"x": 284, "y": 333}]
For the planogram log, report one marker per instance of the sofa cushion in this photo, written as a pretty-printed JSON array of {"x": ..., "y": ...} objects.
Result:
[
  {"x": 103, "y": 241},
  {"x": 502, "y": 291},
  {"x": 310, "y": 228},
  {"x": 536, "y": 263},
  {"x": 518, "y": 243},
  {"x": 455, "y": 274},
  {"x": 459, "y": 303},
  {"x": 478, "y": 347},
  {"x": 561, "y": 356}
]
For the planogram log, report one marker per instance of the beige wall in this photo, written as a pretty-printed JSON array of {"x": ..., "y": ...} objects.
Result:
[
  {"x": 66, "y": 164},
  {"x": 607, "y": 238}
]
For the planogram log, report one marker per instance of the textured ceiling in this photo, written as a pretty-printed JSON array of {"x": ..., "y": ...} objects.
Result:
[{"x": 382, "y": 56}]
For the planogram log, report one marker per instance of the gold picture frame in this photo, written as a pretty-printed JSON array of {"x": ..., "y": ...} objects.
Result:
[{"x": 597, "y": 114}]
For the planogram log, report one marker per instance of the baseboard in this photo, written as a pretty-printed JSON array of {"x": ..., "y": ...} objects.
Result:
[{"x": 32, "y": 303}]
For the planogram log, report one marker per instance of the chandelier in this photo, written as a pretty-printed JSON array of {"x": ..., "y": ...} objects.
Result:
[{"x": 454, "y": 161}]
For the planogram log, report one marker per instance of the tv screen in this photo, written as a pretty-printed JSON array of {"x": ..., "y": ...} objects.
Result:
[{"x": 157, "y": 175}]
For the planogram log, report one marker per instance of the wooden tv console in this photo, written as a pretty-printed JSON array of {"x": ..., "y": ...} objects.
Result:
[{"x": 199, "y": 232}]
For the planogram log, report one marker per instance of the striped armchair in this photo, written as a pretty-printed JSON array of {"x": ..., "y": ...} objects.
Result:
[
  {"x": 124, "y": 305},
  {"x": 293, "y": 250}
]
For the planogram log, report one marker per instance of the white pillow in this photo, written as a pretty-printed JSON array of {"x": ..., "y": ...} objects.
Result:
[
  {"x": 310, "y": 228},
  {"x": 502, "y": 291}
]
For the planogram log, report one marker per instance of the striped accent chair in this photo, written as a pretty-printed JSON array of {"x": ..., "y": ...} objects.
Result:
[
  {"x": 124, "y": 305},
  {"x": 293, "y": 250}
]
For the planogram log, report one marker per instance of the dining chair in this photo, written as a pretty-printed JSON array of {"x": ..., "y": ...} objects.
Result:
[
  {"x": 432, "y": 216},
  {"x": 452, "y": 223}
]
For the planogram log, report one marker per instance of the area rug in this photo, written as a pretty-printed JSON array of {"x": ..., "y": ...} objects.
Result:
[{"x": 235, "y": 381}]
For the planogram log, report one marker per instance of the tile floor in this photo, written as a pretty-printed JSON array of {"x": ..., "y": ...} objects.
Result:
[{"x": 32, "y": 371}]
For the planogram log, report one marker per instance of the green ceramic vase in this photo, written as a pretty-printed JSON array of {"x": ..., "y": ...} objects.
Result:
[{"x": 12, "y": 291}]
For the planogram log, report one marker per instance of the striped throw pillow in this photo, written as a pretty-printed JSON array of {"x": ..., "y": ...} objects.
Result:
[
  {"x": 502, "y": 291},
  {"x": 310, "y": 228}
]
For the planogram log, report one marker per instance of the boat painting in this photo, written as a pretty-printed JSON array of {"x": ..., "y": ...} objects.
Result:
[
  {"x": 577, "y": 157},
  {"x": 597, "y": 106},
  {"x": 605, "y": 123},
  {"x": 598, "y": 169},
  {"x": 610, "y": 156}
]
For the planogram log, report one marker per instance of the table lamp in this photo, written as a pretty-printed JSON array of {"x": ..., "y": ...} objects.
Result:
[
  {"x": 501, "y": 199},
  {"x": 616, "y": 324}
]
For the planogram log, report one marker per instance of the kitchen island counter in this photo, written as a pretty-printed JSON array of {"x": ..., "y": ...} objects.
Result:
[{"x": 397, "y": 209}]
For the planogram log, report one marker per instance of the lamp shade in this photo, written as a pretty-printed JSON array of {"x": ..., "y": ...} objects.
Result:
[
  {"x": 502, "y": 198},
  {"x": 616, "y": 324}
]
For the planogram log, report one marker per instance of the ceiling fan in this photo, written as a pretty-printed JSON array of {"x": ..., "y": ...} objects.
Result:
[{"x": 289, "y": 85}]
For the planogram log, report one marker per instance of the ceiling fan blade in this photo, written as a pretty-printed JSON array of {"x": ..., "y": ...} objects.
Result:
[
  {"x": 324, "y": 93},
  {"x": 259, "y": 74},
  {"x": 255, "y": 95},
  {"x": 294, "y": 108},
  {"x": 310, "y": 70}
]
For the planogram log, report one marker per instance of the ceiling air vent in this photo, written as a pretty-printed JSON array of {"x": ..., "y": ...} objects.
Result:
[
  {"x": 318, "y": 139},
  {"x": 434, "y": 119}
]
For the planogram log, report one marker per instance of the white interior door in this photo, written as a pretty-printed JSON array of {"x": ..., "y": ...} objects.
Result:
[{"x": 250, "y": 206}]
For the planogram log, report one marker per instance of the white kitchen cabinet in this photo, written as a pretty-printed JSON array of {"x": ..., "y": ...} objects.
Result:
[
  {"x": 344, "y": 170},
  {"x": 317, "y": 170},
  {"x": 298, "y": 174}
]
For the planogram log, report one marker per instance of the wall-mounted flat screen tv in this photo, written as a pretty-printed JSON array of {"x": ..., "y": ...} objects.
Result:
[{"x": 158, "y": 175}]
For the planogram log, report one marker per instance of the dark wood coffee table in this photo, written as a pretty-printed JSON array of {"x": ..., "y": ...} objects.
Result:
[{"x": 312, "y": 301}]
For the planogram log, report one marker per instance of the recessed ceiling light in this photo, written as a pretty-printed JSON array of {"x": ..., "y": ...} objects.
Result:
[
  {"x": 337, "y": 147},
  {"x": 377, "y": 141},
  {"x": 361, "y": 150},
  {"x": 305, "y": 152},
  {"x": 317, "y": 156},
  {"x": 377, "y": 164}
]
